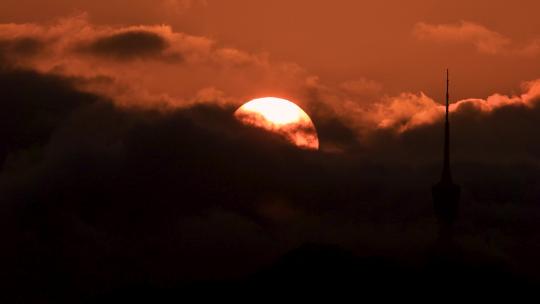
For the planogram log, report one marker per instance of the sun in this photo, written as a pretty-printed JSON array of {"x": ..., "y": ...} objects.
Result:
[{"x": 280, "y": 116}]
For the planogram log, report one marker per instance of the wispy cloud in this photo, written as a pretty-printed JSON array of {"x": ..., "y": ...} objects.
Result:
[{"x": 483, "y": 39}]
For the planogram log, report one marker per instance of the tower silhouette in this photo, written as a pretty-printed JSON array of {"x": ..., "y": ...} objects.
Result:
[{"x": 445, "y": 193}]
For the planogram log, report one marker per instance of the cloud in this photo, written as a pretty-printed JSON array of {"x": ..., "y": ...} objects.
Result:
[
  {"x": 76, "y": 33},
  {"x": 132, "y": 57},
  {"x": 484, "y": 40},
  {"x": 20, "y": 47},
  {"x": 362, "y": 87},
  {"x": 40, "y": 103},
  {"x": 531, "y": 49},
  {"x": 409, "y": 110},
  {"x": 192, "y": 192},
  {"x": 128, "y": 45},
  {"x": 124, "y": 168}
]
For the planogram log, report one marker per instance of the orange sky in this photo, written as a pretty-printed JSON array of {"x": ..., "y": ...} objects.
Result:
[
  {"x": 368, "y": 58},
  {"x": 337, "y": 40}
]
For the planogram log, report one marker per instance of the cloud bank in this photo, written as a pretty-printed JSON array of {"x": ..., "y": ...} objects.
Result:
[
  {"x": 126, "y": 158},
  {"x": 156, "y": 67}
]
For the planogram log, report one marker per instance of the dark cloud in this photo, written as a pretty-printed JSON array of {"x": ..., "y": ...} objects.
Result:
[
  {"x": 95, "y": 196},
  {"x": 20, "y": 47},
  {"x": 334, "y": 135},
  {"x": 131, "y": 45},
  {"x": 33, "y": 106}
]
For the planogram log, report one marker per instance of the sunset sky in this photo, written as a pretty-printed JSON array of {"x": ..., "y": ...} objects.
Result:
[
  {"x": 120, "y": 144},
  {"x": 491, "y": 46}
]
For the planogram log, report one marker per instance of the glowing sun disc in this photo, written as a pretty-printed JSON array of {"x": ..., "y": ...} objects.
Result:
[{"x": 280, "y": 116}]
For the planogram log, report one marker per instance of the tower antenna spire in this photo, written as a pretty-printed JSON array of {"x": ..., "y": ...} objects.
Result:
[
  {"x": 445, "y": 193},
  {"x": 447, "y": 93},
  {"x": 446, "y": 174}
]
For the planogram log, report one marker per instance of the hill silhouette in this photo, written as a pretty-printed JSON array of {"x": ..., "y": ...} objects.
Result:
[{"x": 316, "y": 270}]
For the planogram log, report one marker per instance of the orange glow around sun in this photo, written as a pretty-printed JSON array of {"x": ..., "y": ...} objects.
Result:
[{"x": 282, "y": 117}]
